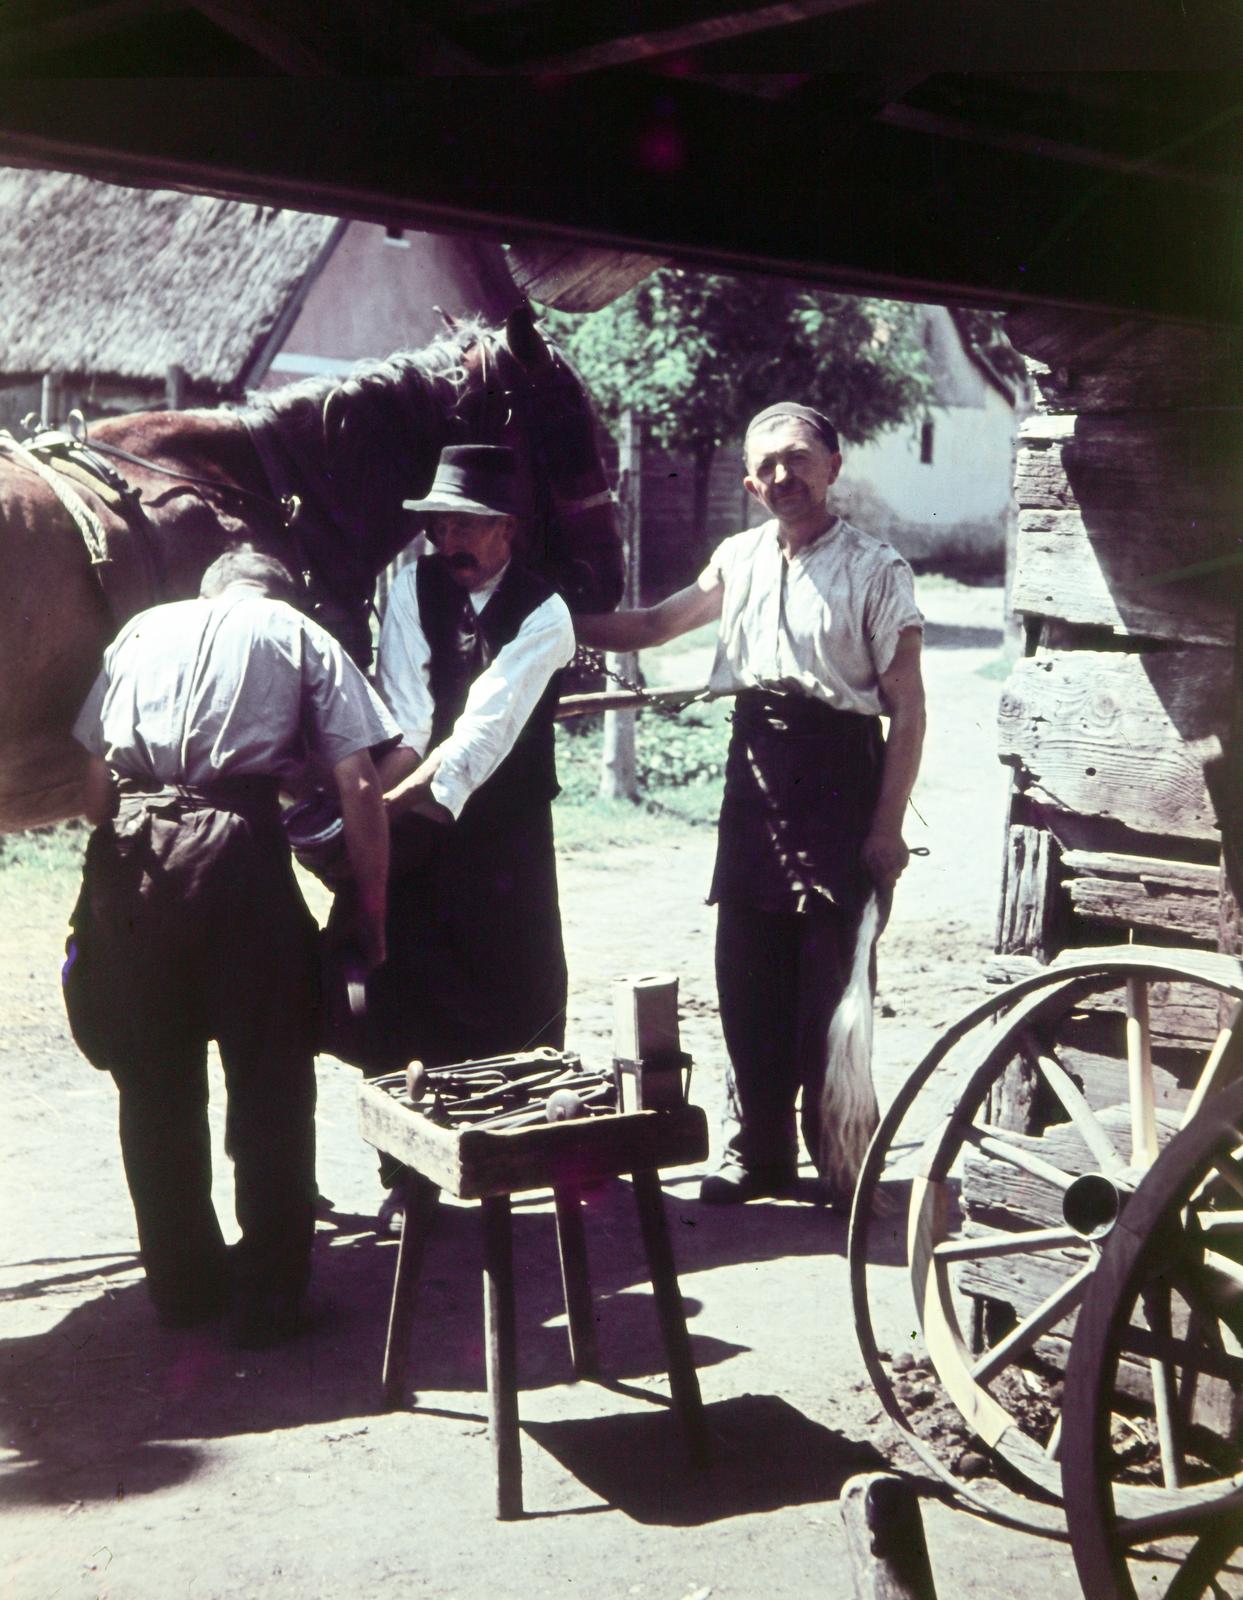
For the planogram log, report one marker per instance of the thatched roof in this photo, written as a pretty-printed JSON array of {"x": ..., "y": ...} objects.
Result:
[{"x": 121, "y": 283}]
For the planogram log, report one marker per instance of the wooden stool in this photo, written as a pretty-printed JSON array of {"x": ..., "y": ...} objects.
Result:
[{"x": 490, "y": 1166}]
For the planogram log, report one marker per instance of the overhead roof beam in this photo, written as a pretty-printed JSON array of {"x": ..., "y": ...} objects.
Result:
[
  {"x": 653, "y": 43},
  {"x": 910, "y": 117},
  {"x": 49, "y": 29}
]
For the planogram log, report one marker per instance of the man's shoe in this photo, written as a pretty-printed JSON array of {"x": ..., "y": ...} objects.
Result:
[{"x": 733, "y": 1185}]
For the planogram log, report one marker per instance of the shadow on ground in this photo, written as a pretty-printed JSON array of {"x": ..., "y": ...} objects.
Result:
[
  {"x": 764, "y": 1454},
  {"x": 106, "y": 1403}
]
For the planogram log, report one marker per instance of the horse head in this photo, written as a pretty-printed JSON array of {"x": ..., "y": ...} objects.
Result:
[{"x": 520, "y": 390}]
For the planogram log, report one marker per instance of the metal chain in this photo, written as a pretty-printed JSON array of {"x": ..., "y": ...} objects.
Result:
[{"x": 589, "y": 660}]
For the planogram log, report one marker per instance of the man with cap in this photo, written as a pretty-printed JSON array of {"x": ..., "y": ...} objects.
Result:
[
  {"x": 818, "y": 634},
  {"x": 190, "y": 925},
  {"x": 470, "y": 650}
]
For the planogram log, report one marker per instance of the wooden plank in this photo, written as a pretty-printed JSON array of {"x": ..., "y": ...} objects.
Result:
[
  {"x": 575, "y": 277},
  {"x": 474, "y": 1162},
  {"x": 1151, "y": 462},
  {"x": 1145, "y": 892},
  {"x": 1095, "y": 569},
  {"x": 1102, "y": 363},
  {"x": 1028, "y": 893},
  {"x": 885, "y": 1540},
  {"x": 1119, "y": 736},
  {"x": 1183, "y": 1015}
]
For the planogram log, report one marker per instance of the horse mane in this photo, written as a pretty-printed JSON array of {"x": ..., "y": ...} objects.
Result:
[{"x": 353, "y": 448}]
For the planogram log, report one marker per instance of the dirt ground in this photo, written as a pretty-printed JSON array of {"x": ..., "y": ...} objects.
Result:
[{"x": 144, "y": 1464}]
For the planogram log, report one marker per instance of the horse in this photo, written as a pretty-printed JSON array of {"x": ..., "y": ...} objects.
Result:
[{"x": 314, "y": 473}]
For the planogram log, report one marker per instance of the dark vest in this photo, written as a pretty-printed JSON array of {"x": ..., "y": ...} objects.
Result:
[{"x": 462, "y": 645}]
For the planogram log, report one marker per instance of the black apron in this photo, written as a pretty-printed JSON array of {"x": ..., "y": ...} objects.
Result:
[{"x": 801, "y": 784}]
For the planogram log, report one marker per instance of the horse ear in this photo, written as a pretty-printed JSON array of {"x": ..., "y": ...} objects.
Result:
[
  {"x": 523, "y": 338},
  {"x": 449, "y": 322}
]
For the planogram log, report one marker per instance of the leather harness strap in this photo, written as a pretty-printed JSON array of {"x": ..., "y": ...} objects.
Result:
[{"x": 41, "y": 461}]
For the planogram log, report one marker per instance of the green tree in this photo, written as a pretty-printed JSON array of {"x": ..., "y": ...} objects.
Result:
[{"x": 697, "y": 354}]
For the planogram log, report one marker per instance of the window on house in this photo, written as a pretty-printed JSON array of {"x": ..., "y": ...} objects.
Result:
[
  {"x": 396, "y": 236},
  {"x": 925, "y": 444}
]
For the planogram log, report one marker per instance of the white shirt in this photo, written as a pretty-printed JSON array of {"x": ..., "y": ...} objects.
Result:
[
  {"x": 824, "y": 623},
  {"x": 499, "y": 701},
  {"x": 235, "y": 686}
]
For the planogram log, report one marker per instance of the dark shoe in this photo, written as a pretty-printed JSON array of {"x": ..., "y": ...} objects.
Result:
[
  {"x": 733, "y": 1185},
  {"x": 264, "y": 1318}
]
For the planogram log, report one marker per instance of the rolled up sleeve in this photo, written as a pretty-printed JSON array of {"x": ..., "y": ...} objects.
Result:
[{"x": 501, "y": 699}]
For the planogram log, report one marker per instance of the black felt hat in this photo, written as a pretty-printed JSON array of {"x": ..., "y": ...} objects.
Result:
[{"x": 476, "y": 480}]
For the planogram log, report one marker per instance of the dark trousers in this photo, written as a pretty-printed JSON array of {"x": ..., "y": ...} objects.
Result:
[
  {"x": 190, "y": 927},
  {"x": 779, "y": 978}
]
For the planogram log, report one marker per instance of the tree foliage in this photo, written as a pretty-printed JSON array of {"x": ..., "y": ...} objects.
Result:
[{"x": 696, "y": 355}]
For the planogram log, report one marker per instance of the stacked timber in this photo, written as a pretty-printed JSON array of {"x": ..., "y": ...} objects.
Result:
[
  {"x": 1116, "y": 720},
  {"x": 1117, "y": 723}
]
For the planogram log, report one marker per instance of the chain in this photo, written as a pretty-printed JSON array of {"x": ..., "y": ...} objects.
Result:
[{"x": 588, "y": 660}]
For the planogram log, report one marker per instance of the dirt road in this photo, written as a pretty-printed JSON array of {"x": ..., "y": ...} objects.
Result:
[{"x": 145, "y": 1465}]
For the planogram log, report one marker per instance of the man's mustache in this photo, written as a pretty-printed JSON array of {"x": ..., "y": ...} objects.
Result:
[{"x": 462, "y": 560}]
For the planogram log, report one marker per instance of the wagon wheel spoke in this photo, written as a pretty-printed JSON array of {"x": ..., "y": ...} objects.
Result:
[
  {"x": 1053, "y": 1445},
  {"x": 997, "y": 1142},
  {"x": 1165, "y": 1391},
  {"x": 1212, "y": 1073},
  {"x": 982, "y": 1246},
  {"x": 1230, "y": 1170},
  {"x": 1198, "y": 1512},
  {"x": 1047, "y": 1315},
  {"x": 1139, "y": 1074},
  {"x": 1090, "y": 1129}
]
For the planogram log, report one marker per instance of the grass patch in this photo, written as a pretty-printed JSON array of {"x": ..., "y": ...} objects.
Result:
[
  {"x": 680, "y": 763},
  {"x": 49, "y": 851},
  {"x": 997, "y": 670}
]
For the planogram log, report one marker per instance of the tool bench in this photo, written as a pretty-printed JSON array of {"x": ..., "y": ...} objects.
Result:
[{"x": 651, "y": 1128}]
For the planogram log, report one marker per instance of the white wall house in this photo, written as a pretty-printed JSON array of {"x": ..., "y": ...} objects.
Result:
[{"x": 939, "y": 488}]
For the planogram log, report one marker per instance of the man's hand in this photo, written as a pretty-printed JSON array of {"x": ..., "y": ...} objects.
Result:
[
  {"x": 885, "y": 856},
  {"x": 413, "y": 796}
]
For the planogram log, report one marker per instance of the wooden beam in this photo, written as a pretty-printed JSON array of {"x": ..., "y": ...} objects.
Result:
[
  {"x": 946, "y": 127},
  {"x": 1145, "y": 892},
  {"x": 691, "y": 35},
  {"x": 1119, "y": 737},
  {"x": 424, "y": 152},
  {"x": 48, "y": 30},
  {"x": 286, "y": 36}
]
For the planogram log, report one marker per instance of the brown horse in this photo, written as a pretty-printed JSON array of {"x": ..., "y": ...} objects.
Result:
[{"x": 316, "y": 473}]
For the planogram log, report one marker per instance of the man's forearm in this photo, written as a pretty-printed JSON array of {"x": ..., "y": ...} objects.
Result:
[
  {"x": 617, "y": 630},
  {"x": 903, "y": 750},
  {"x": 366, "y": 840}
]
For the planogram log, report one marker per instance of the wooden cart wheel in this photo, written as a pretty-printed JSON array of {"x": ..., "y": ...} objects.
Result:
[
  {"x": 1009, "y": 1218},
  {"x": 1153, "y": 1449}
]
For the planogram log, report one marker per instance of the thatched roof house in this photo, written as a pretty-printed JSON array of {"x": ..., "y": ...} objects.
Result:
[{"x": 112, "y": 289}]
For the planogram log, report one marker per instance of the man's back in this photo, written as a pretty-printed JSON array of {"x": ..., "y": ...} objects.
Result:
[{"x": 239, "y": 685}]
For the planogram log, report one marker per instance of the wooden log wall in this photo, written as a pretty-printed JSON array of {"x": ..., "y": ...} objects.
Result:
[{"x": 1116, "y": 719}]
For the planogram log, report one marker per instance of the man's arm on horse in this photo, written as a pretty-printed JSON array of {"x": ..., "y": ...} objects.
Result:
[{"x": 689, "y": 608}]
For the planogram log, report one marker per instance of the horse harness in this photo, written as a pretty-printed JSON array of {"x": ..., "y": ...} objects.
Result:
[{"x": 69, "y": 464}]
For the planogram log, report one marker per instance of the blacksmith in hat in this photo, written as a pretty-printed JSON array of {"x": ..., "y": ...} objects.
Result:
[
  {"x": 190, "y": 925},
  {"x": 819, "y": 634},
  {"x": 470, "y": 650}
]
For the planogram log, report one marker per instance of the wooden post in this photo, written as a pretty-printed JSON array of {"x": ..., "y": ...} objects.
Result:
[
  {"x": 502, "y": 1354},
  {"x": 419, "y": 1200},
  {"x": 885, "y": 1539},
  {"x": 617, "y": 775},
  {"x": 576, "y": 1281},
  {"x": 174, "y": 387},
  {"x": 51, "y": 399}
]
